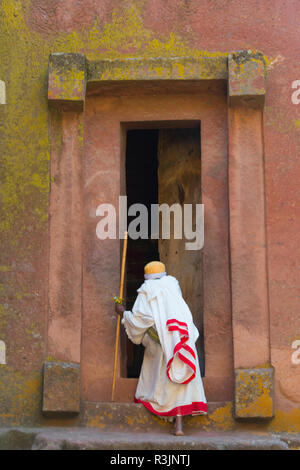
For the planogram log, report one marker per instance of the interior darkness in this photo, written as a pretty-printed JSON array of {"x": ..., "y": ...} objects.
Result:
[{"x": 141, "y": 187}]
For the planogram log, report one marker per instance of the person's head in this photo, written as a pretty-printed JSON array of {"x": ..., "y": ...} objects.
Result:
[{"x": 154, "y": 270}]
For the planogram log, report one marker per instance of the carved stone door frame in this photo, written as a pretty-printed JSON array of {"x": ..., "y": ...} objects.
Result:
[{"x": 244, "y": 72}]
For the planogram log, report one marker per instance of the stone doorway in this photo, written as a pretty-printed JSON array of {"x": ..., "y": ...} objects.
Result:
[{"x": 90, "y": 102}]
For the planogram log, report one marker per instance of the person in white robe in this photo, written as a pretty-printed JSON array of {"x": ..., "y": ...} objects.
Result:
[{"x": 170, "y": 381}]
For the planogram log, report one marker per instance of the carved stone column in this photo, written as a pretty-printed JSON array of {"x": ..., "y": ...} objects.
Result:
[
  {"x": 66, "y": 96},
  {"x": 250, "y": 315}
]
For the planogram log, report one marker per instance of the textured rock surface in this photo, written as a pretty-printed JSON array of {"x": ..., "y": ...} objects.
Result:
[
  {"x": 135, "y": 418},
  {"x": 67, "y": 79},
  {"x": 29, "y": 32},
  {"x": 61, "y": 387},
  {"x": 246, "y": 78},
  {"x": 90, "y": 439},
  {"x": 254, "y": 393}
]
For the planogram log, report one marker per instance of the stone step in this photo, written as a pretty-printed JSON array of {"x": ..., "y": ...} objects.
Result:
[
  {"x": 60, "y": 438},
  {"x": 135, "y": 417}
]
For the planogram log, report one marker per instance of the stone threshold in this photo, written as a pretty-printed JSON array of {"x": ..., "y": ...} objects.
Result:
[
  {"x": 62, "y": 438},
  {"x": 135, "y": 417}
]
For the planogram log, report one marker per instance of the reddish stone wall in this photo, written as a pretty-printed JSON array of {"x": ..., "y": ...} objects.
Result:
[{"x": 29, "y": 31}]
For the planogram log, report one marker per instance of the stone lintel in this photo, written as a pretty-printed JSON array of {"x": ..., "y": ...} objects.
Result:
[
  {"x": 61, "y": 387},
  {"x": 67, "y": 80},
  {"x": 254, "y": 393},
  {"x": 246, "y": 79},
  {"x": 70, "y": 72},
  {"x": 175, "y": 68}
]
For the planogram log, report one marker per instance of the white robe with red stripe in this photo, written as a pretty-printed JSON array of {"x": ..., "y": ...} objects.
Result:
[{"x": 170, "y": 382}]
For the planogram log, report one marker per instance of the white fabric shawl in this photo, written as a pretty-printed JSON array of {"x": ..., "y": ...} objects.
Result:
[
  {"x": 168, "y": 385},
  {"x": 175, "y": 327}
]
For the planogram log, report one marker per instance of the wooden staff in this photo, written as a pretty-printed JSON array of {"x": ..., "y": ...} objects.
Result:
[{"x": 119, "y": 317}]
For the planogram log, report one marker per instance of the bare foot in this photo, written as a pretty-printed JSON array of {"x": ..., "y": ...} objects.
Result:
[{"x": 178, "y": 426}]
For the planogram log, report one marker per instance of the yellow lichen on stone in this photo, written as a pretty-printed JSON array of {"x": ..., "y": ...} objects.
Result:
[
  {"x": 23, "y": 153},
  {"x": 286, "y": 421},
  {"x": 253, "y": 392},
  {"x": 220, "y": 419},
  {"x": 20, "y": 396},
  {"x": 262, "y": 405},
  {"x": 95, "y": 422},
  {"x": 297, "y": 124},
  {"x": 24, "y": 137}
]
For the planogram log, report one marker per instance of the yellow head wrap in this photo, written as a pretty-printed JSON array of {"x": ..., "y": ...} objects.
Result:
[{"x": 153, "y": 268}]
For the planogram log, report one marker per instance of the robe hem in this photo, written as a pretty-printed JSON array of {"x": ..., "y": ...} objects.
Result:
[{"x": 194, "y": 408}]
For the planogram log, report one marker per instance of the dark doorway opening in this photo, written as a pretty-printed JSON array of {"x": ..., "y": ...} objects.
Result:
[
  {"x": 141, "y": 187},
  {"x": 163, "y": 165}
]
